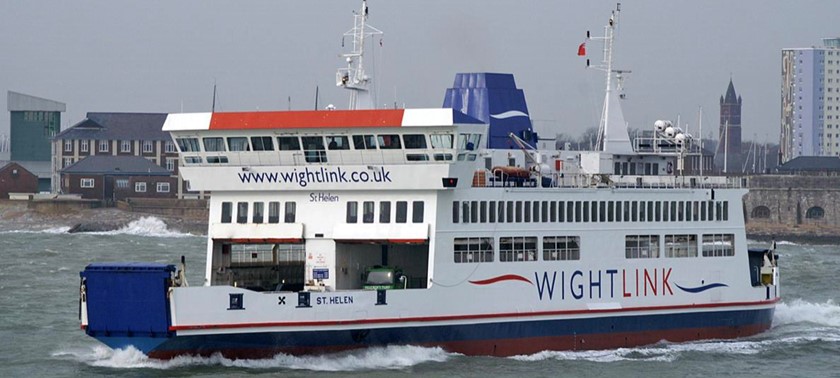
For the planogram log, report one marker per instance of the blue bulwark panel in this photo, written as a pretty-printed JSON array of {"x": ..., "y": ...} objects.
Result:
[
  {"x": 494, "y": 99},
  {"x": 128, "y": 299}
]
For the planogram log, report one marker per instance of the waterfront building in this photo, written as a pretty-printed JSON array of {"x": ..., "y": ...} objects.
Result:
[
  {"x": 34, "y": 121},
  {"x": 117, "y": 134},
  {"x": 117, "y": 178},
  {"x": 810, "y": 97}
]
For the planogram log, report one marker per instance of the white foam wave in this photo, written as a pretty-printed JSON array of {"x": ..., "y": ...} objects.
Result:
[
  {"x": 145, "y": 226},
  {"x": 798, "y": 311},
  {"x": 391, "y": 357},
  {"x": 785, "y": 242}
]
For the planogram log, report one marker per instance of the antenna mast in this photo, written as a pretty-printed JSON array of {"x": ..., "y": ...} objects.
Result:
[
  {"x": 606, "y": 66},
  {"x": 353, "y": 77}
]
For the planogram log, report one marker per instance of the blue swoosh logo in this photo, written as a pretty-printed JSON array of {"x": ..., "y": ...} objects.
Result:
[
  {"x": 509, "y": 114},
  {"x": 700, "y": 289}
]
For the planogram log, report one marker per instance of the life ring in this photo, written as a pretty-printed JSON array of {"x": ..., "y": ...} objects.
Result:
[{"x": 669, "y": 168}]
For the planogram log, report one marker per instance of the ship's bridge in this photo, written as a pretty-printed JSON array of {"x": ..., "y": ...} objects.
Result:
[{"x": 293, "y": 150}]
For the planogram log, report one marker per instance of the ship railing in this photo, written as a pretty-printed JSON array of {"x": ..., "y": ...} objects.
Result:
[{"x": 504, "y": 178}]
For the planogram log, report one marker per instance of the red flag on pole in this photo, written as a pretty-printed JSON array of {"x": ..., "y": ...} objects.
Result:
[{"x": 582, "y": 49}]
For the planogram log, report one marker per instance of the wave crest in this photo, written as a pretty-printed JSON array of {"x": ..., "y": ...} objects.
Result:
[{"x": 391, "y": 357}]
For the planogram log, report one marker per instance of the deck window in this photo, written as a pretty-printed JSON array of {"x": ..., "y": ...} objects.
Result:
[
  {"x": 641, "y": 246},
  {"x": 364, "y": 142},
  {"x": 258, "y": 212},
  {"x": 718, "y": 245},
  {"x": 417, "y": 211},
  {"x": 518, "y": 248},
  {"x": 385, "y": 212},
  {"x": 680, "y": 245},
  {"x": 402, "y": 212},
  {"x": 456, "y": 213},
  {"x": 367, "y": 212},
  {"x": 262, "y": 143},
  {"x": 561, "y": 248},
  {"x": 288, "y": 143},
  {"x": 227, "y": 209},
  {"x": 389, "y": 142},
  {"x": 242, "y": 212},
  {"x": 274, "y": 212},
  {"x": 238, "y": 144},
  {"x": 473, "y": 250},
  {"x": 291, "y": 209},
  {"x": 352, "y": 212}
]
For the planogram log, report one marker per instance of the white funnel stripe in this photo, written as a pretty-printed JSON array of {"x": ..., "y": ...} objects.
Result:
[{"x": 509, "y": 114}]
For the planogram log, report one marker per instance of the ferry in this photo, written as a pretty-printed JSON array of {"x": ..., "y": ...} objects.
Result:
[{"x": 333, "y": 230}]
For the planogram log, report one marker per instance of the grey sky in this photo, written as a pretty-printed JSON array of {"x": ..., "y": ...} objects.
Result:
[{"x": 164, "y": 56}]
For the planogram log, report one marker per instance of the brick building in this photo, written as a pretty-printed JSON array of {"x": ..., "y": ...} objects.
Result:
[
  {"x": 14, "y": 178},
  {"x": 115, "y": 178}
]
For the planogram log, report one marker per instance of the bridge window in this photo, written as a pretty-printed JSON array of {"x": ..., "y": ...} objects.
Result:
[
  {"x": 641, "y": 246},
  {"x": 338, "y": 142},
  {"x": 414, "y": 141},
  {"x": 313, "y": 148},
  {"x": 760, "y": 212},
  {"x": 214, "y": 144},
  {"x": 262, "y": 143},
  {"x": 238, "y": 144},
  {"x": 288, "y": 143},
  {"x": 364, "y": 142},
  {"x": 815, "y": 212},
  {"x": 389, "y": 142},
  {"x": 441, "y": 140},
  {"x": 561, "y": 248},
  {"x": 188, "y": 144}
]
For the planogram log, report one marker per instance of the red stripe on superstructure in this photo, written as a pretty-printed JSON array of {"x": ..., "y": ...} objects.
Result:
[
  {"x": 463, "y": 317},
  {"x": 506, "y": 277},
  {"x": 306, "y": 119}
]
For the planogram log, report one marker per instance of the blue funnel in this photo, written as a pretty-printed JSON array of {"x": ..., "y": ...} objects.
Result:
[{"x": 494, "y": 99}]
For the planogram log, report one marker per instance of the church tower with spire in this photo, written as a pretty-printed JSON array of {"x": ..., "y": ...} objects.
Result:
[{"x": 728, "y": 153}]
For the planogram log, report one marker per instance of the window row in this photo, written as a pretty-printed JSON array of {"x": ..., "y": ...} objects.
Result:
[
  {"x": 148, "y": 146},
  {"x": 400, "y": 214},
  {"x": 588, "y": 211},
  {"x": 258, "y": 212},
  {"x": 647, "y": 246},
  {"x": 139, "y": 186},
  {"x": 516, "y": 248},
  {"x": 329, "y": 142}
]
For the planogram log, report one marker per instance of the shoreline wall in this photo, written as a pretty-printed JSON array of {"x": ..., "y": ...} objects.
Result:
[{"x": 805, "y": 207}]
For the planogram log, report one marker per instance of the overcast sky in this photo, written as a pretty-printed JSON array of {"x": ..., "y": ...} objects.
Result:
[{"x": 164, "y": 56}]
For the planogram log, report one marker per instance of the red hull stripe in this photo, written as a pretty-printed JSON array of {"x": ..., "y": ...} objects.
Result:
[
  {"x": 306, "y": 119},
  {"x": 505, "y": 347},
  {"x": 506, "y": 277},
  {"x": 426, "y": 319}
]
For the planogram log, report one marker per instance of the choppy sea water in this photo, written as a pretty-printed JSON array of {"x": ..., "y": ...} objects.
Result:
[{"x": 40, "y": 335}]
